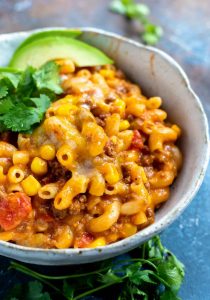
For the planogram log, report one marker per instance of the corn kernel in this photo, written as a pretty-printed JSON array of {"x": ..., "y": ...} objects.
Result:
[
  {"x": 31, "y": 185},
  {"x": 47, "y": 152},
  {"x": 139, "y": 218},
  {"x": 20, "y": 157},
  {"x": 63, "y": 237},
  {"x": 128, "y": 230},
  {"x": 124, "y": 125},
  {"x": 126, "y": 137},
  {"x": 108, "y": 74},
  {"x": 118, "y": 106},
  {"x": 112, "y": 124},
  {"x": 112, "y": 237},
  {"x": 39, "y": 166},
  {"x": 84, "y": 73},
  {"x": 136, "y": 110},
  {"x": 99, "y": 242},
  {"x": 66, "y": 66}
]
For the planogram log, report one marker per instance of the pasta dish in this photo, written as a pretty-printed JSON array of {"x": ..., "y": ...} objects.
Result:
[{"x": 95, "y": 169}]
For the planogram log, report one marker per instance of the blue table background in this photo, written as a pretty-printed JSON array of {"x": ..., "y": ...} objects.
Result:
[{"x": 187, "y": 39}]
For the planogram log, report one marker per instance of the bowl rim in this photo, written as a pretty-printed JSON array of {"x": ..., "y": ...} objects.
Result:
[{"x": 175, "y": 212}]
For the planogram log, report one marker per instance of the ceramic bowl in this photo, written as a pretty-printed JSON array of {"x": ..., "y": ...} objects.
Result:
[{"x": 158, "y": 75}]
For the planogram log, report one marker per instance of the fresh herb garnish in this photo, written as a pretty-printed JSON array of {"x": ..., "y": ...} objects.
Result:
[
  {"x": 140, "y": 12},
  {"x": 150, "y": 272},
  {"x": 31, "y": 291},
  {"x": 25, "y": 96}
]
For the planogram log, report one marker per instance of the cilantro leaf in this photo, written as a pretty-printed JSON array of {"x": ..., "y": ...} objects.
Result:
[
  {"x": 152, "y": 34},
  {"x": 12, "y": 78},
  {"x": 25, "y": 96},
  {"x": 21, "y": 118},
  {"x": 2, "y": 126},
  {"x": 171, "y": 274},
  {"x": 3, "y": 91},
  {"x": 154, "y": 248},
  {"x": 138, "y": 11},
  {"x": 169, "y": 295},
  {"x": 137, "y": 276},
  {"x": 26, "y": 86},
  {"x": 154, "y": 274},
  {"x": 5, "y": 105},
  {"x": 47, "y": 78},
  {"x": 109, "y": 277},
  {"x": 35, "y": 292},
  {"x": 118, "y": 7},
  {"x": 68, "y": 290},
  {"x": 42, "y": 103},
  {"x": 15, "y": 292},
  {"x": 31, "y": 291}
]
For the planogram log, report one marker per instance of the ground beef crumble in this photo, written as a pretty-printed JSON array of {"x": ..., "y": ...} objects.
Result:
[
  {"x": 56, "y": 172},
  {"x": 110, "y": 149}
]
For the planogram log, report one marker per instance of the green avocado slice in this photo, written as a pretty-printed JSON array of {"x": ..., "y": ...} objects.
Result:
[
  {"x": 71, "y": 33},
  {"x": 8, "y": 70},
  {"x": 50, "y": 48}
]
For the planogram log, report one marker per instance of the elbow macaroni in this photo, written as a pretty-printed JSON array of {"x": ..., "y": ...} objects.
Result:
[
  {"x": 98, "y": 166},
  {"x": 107, "y": 219}
]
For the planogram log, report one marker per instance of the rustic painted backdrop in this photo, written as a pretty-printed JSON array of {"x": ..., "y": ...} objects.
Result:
[{"x": 187, "y": 38}]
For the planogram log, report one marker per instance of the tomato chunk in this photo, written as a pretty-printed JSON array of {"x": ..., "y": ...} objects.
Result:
[
  {"x": 45, "y": 217},
  {"x": 136, "y": 143},
  {"x": 14, "y": 208},
  {"x": 84, "y": 240}
]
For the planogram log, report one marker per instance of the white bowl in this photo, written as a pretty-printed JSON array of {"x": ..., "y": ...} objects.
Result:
[{"x": 158, "y": 75}]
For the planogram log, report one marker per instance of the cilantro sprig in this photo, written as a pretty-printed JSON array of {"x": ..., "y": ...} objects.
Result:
[
  {"x": 140, "y": 12},
  {"x": 150, "y": 272},
  {"x": 25, "y": 96}
]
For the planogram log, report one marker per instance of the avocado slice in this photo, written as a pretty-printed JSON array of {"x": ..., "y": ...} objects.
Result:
[
  {"x": 72, "y": 33},
  {"x": 50, "y": 48},
  {"x": 8, "y": 70}
]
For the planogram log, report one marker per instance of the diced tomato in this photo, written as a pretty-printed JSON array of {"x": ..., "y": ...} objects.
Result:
[
  {"x": 136, "y": 143},
  {"x": 84, "y": 240},
  {"x": 45, "y": 217},
  {"x": 14, "y": 208}
]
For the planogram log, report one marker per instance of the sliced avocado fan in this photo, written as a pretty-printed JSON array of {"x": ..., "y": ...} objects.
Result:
[{"x": 39, "y": 51}]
